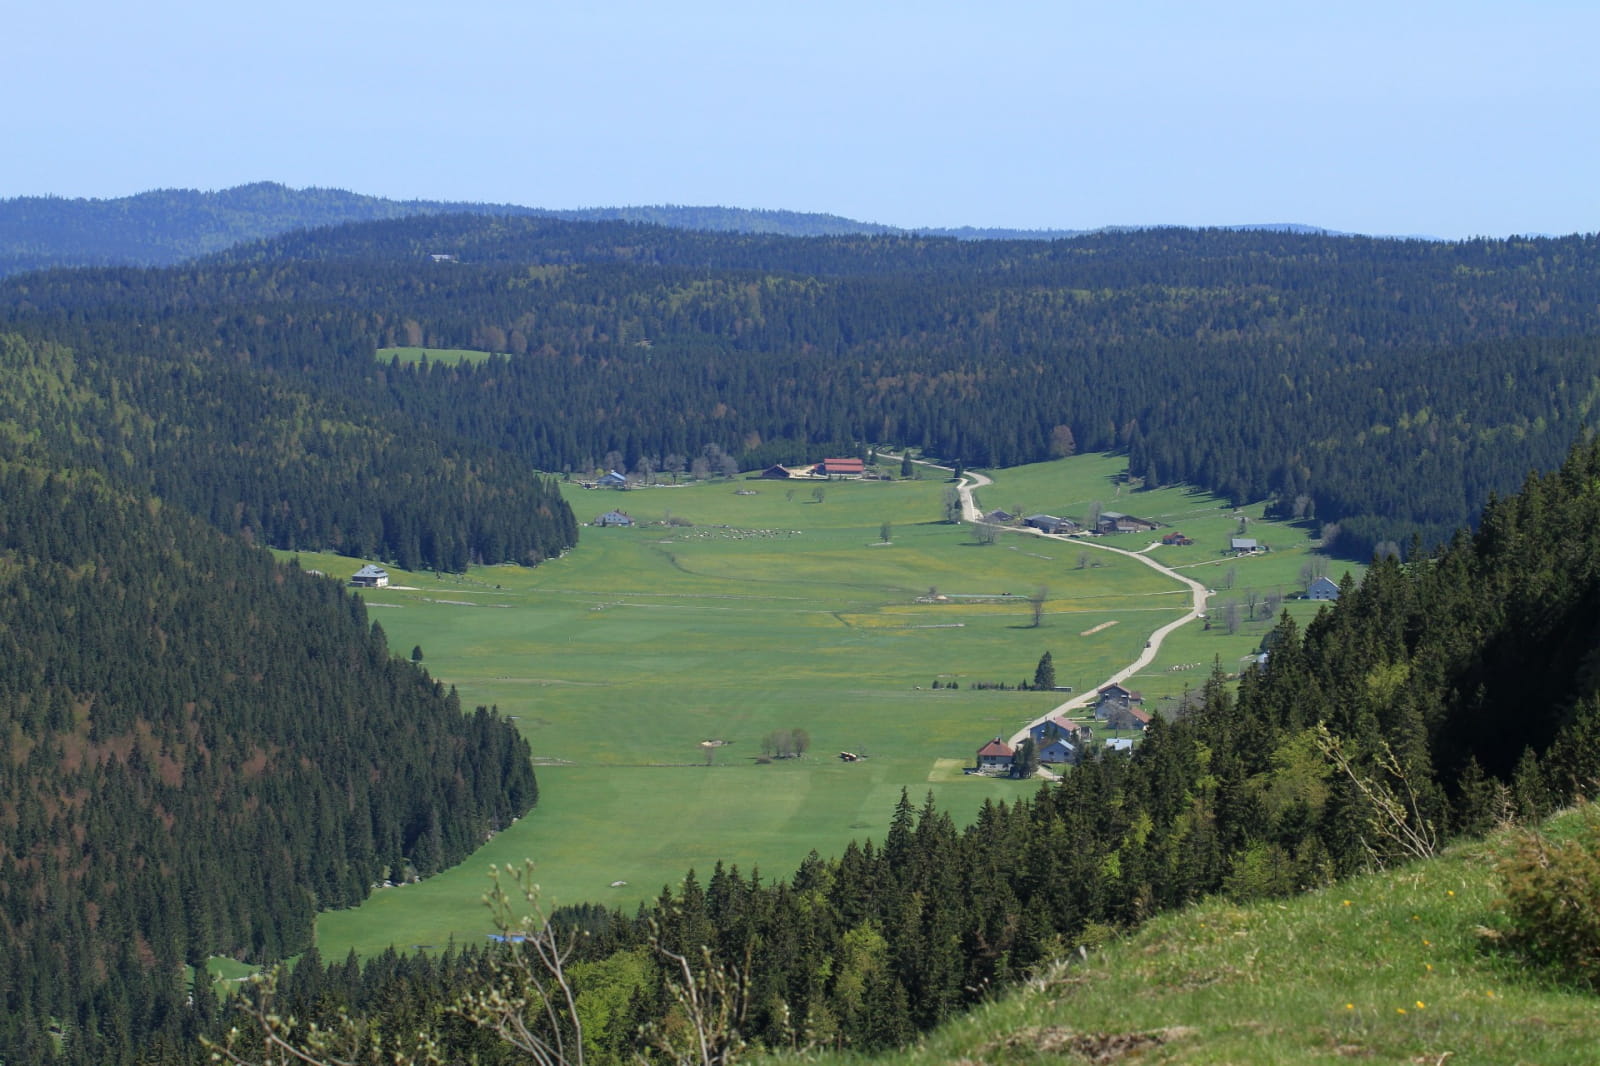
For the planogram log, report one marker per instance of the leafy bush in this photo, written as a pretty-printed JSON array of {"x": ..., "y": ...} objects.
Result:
[{"x": 1553, "y": 899}]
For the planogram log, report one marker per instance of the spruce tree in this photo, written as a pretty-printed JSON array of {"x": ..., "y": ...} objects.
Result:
[{"x": 1044, "y": 675}]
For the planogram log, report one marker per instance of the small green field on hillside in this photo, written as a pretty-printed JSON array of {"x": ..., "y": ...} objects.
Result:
[
  {"x": 649, "y": 667},
  {"x": 449, "y": 356}
]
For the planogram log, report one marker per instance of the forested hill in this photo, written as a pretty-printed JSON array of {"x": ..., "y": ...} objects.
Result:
[
  {"x": 167, "y": 226},
  {"x": 202, "y": 747},
  {"x": 1387, "y": 386},
  {"x": 258, "y": 426}
]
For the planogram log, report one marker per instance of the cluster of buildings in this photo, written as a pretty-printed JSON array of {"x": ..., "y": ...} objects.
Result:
[
  {"x": 1107, "y": 522},
  {"x": 1060, "y": 741}
]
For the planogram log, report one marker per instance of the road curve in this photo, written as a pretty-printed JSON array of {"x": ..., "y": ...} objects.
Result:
[
  {"x": 1152, "y": 647},
  {"x": 969, "y": 512}
]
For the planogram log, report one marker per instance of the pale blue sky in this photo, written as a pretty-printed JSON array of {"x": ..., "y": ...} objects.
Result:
[{"x": 1447, "y": 119}]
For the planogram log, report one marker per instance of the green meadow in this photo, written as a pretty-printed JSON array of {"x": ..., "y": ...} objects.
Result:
[
  {"x": 449, "y": 356},
  {"x": 647, "y": 666}
]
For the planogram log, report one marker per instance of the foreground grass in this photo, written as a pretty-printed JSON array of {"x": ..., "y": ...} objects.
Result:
[{"x": 1384, "y": 968}]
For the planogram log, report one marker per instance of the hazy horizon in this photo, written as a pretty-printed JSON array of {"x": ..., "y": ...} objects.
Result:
[{"x": 1443, "y": 120}]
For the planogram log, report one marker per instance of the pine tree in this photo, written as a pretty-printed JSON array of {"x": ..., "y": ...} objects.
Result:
[{"x": 1044, "y": 675}]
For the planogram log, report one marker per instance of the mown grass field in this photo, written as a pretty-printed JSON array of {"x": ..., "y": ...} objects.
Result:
[
  {"x": 774, "y": 611},
  {"x": 1391, "y": 967},
  {"x": 449, "y": 356}
]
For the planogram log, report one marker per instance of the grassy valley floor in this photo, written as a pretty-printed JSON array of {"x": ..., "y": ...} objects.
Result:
[{"x": 774, "y": 611}]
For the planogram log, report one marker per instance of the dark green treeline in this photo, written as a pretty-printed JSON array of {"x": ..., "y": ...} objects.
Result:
[
  {"x": 202, "y": 747},
  {"x": 1388, "y": 385}
]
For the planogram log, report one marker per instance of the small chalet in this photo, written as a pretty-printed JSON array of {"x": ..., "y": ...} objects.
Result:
[
  {"x": 1176, "y": 539},
  {"x": 612, "y": 480},
  {"x": 1128, "y": 716},
  {"x": 840, "y": 468},
  {"x": 1115, "y": 698},
  {"x": 1323, "y": 588},
  {"x": 999, "y": 517},
  {"x": 777, "y": 473},
  {"x": 614, "y": 518},
  {"x": 995, "y": 755},
  {"x": 1060, "y": 750},
  {"x": 1046, "y": 523},
  {"x": 1117, "y": 522},
  {"x": 1054, "y": 729},
  {"x": 370, "y": 577},
  {"x": 1244, "y": 545}
]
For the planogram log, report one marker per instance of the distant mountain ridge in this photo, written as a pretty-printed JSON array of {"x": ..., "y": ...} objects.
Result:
[{"x": 167, "y": 226}]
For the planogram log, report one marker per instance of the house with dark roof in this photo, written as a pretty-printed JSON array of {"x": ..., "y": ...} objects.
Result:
[
  {"x": 1055, "y": 728},
  {"x": 1176, "y": 539},
  {"x": 777, "y": 472},
  {"x": 370, "y": 577},
  {"x": 1114, "y": 698},
  {"x": 1323, "y": 588},
  {"x": 995, "y": 755},
  {"x": 1046, "y": 523},
  {"x": 1127, "y": 716},
  {"x": 1117, "y": 522},
  {"x": 999, "y": 517},
  {"x": 1059, "y": 751}
]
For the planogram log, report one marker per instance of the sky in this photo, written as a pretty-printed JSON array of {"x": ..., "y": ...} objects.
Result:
[{"x": 1406, "y": 117}]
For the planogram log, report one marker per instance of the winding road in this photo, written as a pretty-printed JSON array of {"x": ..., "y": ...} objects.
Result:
[{"x": 1152, "y": 647}]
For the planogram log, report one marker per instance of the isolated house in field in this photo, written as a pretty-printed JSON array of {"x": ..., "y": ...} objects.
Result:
[
  {"x": 995, "y": 755},
  {"x": 1046, "y": 523},
  {"x": 1323, "y": 588},
  {"x": 777, "y": 473},
  {"x": 840, "y": 468},
  {"x": 614, "y": 518},
  {"x": 612, "y": 480},
  {"x": 999, "y": 517},
  {"x": 1176, "y": 539},
  {"x": 1244, "y": 545},
  {"x": 370, "y": 577},
  {"x": 1117, "y": 522}
]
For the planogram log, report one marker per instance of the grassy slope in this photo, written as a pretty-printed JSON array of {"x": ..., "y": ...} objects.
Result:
[
  {"x": 1384, "y": 968},
  {"x": 620, "y": 658}
]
